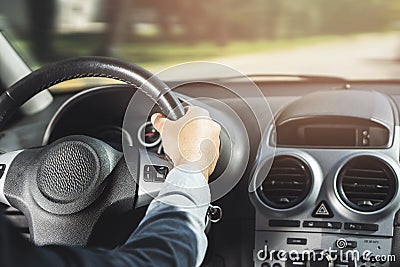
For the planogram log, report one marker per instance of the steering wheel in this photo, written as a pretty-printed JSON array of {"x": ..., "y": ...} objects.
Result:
[{"x": 65, "y": 187}]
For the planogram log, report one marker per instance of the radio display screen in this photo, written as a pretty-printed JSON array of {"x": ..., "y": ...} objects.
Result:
[
  {"x": 330, "y": 136},
  {"x": 340, "y": 132}
]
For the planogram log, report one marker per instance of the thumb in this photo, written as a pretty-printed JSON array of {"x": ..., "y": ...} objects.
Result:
[{"x": 158, "y": 120}]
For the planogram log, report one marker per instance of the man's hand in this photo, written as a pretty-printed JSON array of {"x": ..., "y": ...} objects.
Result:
[{"x": 191, "y": 140}]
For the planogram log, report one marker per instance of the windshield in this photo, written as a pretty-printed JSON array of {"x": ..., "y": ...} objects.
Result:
[{"x": 358, "y": 39}]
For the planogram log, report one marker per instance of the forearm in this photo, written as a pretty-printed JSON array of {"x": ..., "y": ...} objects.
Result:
[{"x": 173, "y": 228}]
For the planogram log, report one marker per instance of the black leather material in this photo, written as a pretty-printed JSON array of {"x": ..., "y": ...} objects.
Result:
[
  {"x": 81, "y": 67},
  {"x": 7, "y": 108}
]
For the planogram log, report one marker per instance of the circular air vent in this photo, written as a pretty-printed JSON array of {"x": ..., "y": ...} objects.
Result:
[
  {"x": 366, "y": 183},
  {"x": 287, "y": 183}
]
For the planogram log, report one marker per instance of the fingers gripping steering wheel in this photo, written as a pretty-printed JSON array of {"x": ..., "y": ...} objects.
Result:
[{"x": 63, "y": 188}]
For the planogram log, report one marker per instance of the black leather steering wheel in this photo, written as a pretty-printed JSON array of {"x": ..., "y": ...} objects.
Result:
[{"x": 65, "y": 187}]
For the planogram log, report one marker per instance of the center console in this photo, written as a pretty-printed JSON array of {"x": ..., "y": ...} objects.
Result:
[{"x": 326, "y": 183}]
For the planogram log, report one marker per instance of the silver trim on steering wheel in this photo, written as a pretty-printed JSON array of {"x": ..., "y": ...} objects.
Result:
[{"x": 141, "y": 137}]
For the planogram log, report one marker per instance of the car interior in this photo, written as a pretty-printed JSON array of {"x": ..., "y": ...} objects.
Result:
[{"x": 309, "y": 163}]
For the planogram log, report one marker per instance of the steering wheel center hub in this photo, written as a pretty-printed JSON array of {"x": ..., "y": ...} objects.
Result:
[{"x": 68, "y": 172}]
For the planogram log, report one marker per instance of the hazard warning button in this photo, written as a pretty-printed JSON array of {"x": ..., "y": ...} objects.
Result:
[{"x": 322, "y": 211}]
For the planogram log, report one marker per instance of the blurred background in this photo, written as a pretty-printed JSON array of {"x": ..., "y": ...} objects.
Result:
[{"x": 351, "y": 38}]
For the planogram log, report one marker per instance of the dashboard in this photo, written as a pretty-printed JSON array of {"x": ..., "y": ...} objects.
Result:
[
  {"x": 319, "y": 171},
  {"x": 99, "y": 113},
  {"x": 330, "y": 188}
]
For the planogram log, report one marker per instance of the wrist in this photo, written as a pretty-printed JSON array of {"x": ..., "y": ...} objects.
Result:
[{"x": 193, "y": 167}]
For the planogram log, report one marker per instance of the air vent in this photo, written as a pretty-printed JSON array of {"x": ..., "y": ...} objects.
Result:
[
  {"x": 287, "y": 183},
  {"x": 366, "y": 183}
]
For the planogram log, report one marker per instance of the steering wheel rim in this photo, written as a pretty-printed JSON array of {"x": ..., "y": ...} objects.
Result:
[
  {"x": 50, "y": 212},
  {"x": 83, "y": 67}
]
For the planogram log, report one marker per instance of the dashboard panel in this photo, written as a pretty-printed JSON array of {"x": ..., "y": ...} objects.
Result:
[
  {"x": 96, "y": 113},
  {"x": 249, "y": 222},
  {"x": 328, "y": 197},
  {"x": 109, "y": 114},
  {"x": 99, "y": 113},
  {"x": 347, "y": 119}
]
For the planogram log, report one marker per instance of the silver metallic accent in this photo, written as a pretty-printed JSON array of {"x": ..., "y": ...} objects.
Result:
[
  {"x": 392, "y": 206},
  {"x": 214, "y": 213},
  {"x": 317, "y": 179},
  {"x": 140, "y": 136}
]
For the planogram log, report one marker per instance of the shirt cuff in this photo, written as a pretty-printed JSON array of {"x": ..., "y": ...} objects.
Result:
[{"x": 186, "y": 189}]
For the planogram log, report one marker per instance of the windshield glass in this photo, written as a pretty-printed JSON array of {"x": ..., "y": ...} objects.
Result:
[{"x": 356, "y": 39}]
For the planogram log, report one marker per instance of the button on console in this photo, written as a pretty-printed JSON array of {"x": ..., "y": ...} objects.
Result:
[
  {"x": 361, "y": 227},
  {"x": 296, "y": 241},
  {"x": 284, "y": 223},
  {"x": 352, "y": 244},
  {"x": 322, "y": 211},
  {"x": 322, "y": 224},
  {"x": 343, "y": 243},
  {"x": 155, "y": 173}
]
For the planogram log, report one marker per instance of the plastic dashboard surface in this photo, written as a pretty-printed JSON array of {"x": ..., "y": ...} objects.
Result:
[
  {"x": 245, "y": 227},
  {"x": 328, "y": 198},
  {"x": 325, "y": 218}
]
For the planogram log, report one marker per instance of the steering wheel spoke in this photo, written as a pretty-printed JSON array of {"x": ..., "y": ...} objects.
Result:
[
  {"x": 6, "y": 160},
  {"x": 152, "y": 172}
]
